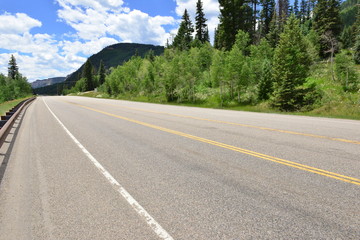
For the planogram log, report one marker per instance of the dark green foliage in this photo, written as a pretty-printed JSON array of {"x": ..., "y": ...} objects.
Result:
[
  {"x": 327, "y": 22},
  {"x": 357, "y": 39},
  {"x": 348, "y": 12},
  {"x": 13, "y": 70},
  {"x": 275, "y": 29},
  {"x": 201, "y": 28},
  {"x": 283, "y": 11},
  {"x": 345, "y": 71},
  {"x": 303, "y": 16},
  {"x": 184, "y": 37},
  {"x": 347, "y": 37},
  {"x": 235, "y": 15},
  {"x": 88, "y": 75},
  {"x": 15, "y": 85},
  {"x": 101, "y": 73},
  {"x": 290, "y": 67},
  {"x": 266, "y": 14},
  {"x": 296, "y": 9},
  {"x": 112, "y": 56},
  {"x": 266, "y": 82}
]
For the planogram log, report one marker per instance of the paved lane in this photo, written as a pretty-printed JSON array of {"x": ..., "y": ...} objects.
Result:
[{"x": 193, "y": 188}]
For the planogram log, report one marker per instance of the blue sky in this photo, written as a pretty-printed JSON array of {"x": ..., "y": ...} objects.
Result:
[{"x": 51, "y": 38}]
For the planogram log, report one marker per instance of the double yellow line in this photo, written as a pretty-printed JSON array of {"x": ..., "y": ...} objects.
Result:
[
  {"x": 242, "y": 125},
  {"x": 307, "y": 168}
]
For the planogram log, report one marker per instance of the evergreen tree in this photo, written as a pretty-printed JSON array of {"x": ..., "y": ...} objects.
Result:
[
  {"x": 202, "y": 33},
  {"x": 346, "y": 37},
  {"x": 101, "y": 73},
  {"x": 13, "y": 70},
  {"x": 290, "y": 67},
  {"x": 235, "y": 15},
  {"x": 357, "y": 50},
  {"x": 274, "y": 31},
  {"x": 266, "y": 84},
  {"x": 327, "y": 21},
  {"x": 184, "y": 37},
  {"x": 357, "y": 39},
  {"x": 266, "y": 15},
  {"x": 283, "y": 8},
  {"x": 303, "y": 11},
  {"x": 296, "y": 8},
  {"x": 87, "y": 74}
]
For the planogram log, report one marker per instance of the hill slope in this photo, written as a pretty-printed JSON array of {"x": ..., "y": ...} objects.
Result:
[
  {"x": 47, "y": 82},
  {"x": 112, "y": 56}
]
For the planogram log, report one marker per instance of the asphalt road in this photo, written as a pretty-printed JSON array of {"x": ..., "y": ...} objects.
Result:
[{"x": 83, "y": 168}]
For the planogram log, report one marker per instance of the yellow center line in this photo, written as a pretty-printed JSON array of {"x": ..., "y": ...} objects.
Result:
[
  {"x": 242, "y": 125},
  {"x": 307, "y": 168}
]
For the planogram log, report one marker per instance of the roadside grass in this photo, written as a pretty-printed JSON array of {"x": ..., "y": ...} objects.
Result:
[
  {"x": 335, "y": 102},
  {"x": 6, "y": 106}
]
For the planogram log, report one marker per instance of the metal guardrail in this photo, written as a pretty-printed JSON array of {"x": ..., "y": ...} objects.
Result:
[{"x": 8, "y": 120}]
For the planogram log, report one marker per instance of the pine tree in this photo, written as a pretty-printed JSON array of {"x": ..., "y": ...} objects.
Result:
[
  {"x": 184, "y": 37},
  {"x": 283, "y": 8},
  {"x": 303, "y": 11},
  {"x": 357, "y": 39},
  {"x": 327, "y": 21},
  {"x": 266, "y": 15},
  {"x": 274, "y": 31},
  {"x": 296, "y": 8},
  {"x": 202, "y": 33},
  {"x": 290, "y": 67},
  {"x": 235, "y": 15},
  {"x": 87, "y": 74},
  {"x": 13, "y": 70},
  {"x": 266, "y": 84},
  {"x": 101, "y": 73}
]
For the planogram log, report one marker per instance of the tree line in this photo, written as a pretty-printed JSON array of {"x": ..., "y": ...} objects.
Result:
[
  {"x": 257, "y": 56},
  {"x": 14, "y": 85}
]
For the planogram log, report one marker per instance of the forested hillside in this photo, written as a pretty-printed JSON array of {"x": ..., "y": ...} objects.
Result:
[
  {"x": 110, "y": 56},
  {"x": 14, "y": 85},
  {"x": 300, "y": 57}
]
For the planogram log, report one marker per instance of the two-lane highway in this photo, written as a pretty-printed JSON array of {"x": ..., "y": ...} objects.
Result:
[{"x": 85, "y": 168}]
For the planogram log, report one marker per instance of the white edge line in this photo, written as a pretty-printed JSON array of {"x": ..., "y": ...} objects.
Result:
[{"x": 155, "y": 226}]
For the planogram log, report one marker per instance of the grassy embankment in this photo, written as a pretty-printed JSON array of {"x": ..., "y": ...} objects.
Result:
[
  {"x": 6, "y": 106},
  {"x": 334, "y": 103}
]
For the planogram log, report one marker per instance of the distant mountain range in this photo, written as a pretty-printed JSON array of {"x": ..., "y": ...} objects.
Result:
[
  {"x": 112, "y": 56},
  {"x": 47, "y": 82}
]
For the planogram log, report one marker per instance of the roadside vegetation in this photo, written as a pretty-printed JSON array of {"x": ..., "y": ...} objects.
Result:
[
  {"x": 301, "y": 59},
  {"x": 13, "y": 86},
  {"x": 6, "y": 106}
]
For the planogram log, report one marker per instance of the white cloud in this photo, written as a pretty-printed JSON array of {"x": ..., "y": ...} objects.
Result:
[
  {"x": 96, "y": 24},
  {"x": 20, "y": 23},
  {"x": 101, "y": 18},
  {"x": 211, "y": 10},
  {"x": 37, "y": 55}
]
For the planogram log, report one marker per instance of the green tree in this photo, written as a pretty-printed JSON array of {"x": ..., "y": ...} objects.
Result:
[
  {"x": 266, "y": 14},
  {"x": 296, "y": 8},
  {"x": 357, "y": 39},
  {"x": 345, "y": 71},
  {"x": 13, "y": 69},
  {"x": 88, "y": 74},
  {"x": 275, "y": 29},
  {"x": 266, "y": 83},
  {"x": 327, "y": 21},
  {"x": 290, "y": 67},
  {"x": 184, "y": 37},
  {"x": 235, "y": 15},
  {"x": 202, "y": 32},
  {"x": 101, "y": 73}
]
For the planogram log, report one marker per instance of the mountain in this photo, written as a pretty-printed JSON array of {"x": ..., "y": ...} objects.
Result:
[
  {"x": 348, "y": 12},
  {"x": 47, "y": 82},
  {"x": 112, "y": 56}
]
